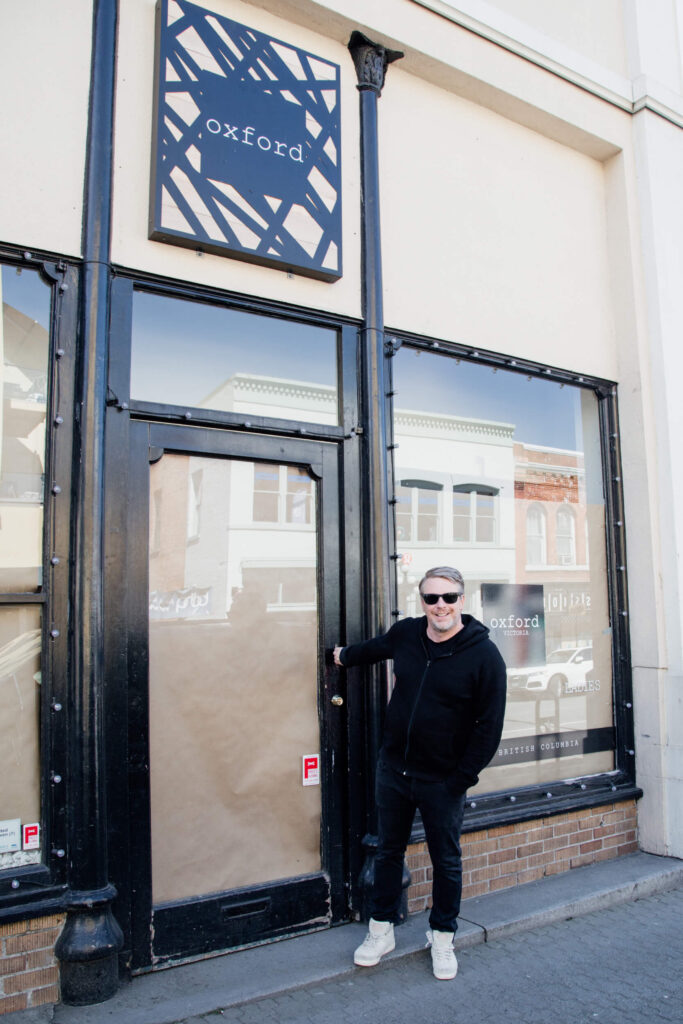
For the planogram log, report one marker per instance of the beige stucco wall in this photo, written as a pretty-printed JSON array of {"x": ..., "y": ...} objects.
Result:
[
  {"x": 658, "y": 624},
  {"x": 510, "y": 257},
  {"x": 654, "y": 35},
  {"x": 130, "y": 245},
  {"x": 44, "y": 84},
  {"x": 594, "y": 29},
  {"x": 493, "y": 235}
]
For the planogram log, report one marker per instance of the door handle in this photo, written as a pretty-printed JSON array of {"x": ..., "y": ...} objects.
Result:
[{"x": 337, "y": 700}]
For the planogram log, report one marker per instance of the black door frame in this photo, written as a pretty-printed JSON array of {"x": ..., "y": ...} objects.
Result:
[
  {"x": 125, "y": 539},
  {"x": 241, "y": 917}
]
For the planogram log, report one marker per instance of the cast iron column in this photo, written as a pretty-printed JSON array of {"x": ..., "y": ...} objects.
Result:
[
  {"x": 88, "y": 946},
  {"x": 371, "y": 61}
]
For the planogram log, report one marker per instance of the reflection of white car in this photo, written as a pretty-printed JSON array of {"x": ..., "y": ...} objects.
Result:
[{"x": 564, "y": 672}]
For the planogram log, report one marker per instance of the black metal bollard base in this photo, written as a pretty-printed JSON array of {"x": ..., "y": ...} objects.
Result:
[
  {"x": 87, "y": 951},
  {"x": 92, "y": 981}
]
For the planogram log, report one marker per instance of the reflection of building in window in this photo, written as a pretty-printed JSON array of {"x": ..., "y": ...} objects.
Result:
[
  {"x": 282, "y": 588},
  {"x": 282, "y": 494},
  {"x": 24, "y": 347},
  {"x": 417, "y": 510},
  {"x": 155, "y": 523},
  {"x": 474, "y": 513},
  {"x": 550, "y": 493},
  {"x": 24, "y": 393},
  {"x": 565, "y": 536},
  {"x": 454, "y": 478},
  {"x": 272, "y": 396},
  {"x": 194, "y": 504},
  {"x": 552, "y": 531},
  {"x": 536, "y": 547}
]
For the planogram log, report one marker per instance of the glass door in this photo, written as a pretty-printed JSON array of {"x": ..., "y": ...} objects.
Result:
[{"x": 243, "y": 737}]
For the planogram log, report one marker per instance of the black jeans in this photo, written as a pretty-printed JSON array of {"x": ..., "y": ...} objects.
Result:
[{"x": 442, "y": 812}]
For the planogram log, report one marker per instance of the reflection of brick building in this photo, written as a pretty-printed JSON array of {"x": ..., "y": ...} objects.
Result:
[
  {"x": 550, "y": 523},
  {"x": 551, "y": 537}
]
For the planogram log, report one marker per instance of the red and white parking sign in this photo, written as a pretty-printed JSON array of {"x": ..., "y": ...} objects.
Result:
[
  {"x": 31, "y": 837},
  {"x": 310, "y": 766}
]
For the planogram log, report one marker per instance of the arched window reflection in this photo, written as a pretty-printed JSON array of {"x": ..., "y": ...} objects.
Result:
[
  {"x": 536, "y": 548},
  {"x": 566, "y": 536}
]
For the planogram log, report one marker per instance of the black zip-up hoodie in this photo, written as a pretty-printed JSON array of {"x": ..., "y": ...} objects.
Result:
[{"x": 445, "y": 717}]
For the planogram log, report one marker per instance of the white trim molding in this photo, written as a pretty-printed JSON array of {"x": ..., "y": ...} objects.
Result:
[{"x": 525, "y": 41}]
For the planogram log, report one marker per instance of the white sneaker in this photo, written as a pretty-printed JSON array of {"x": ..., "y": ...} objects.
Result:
[
  {"x": 444, "y": 962},
  {"x": 378, "y": 941}
]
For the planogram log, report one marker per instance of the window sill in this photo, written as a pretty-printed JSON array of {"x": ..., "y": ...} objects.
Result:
[
  {"x": 496, "y": 809},
  {"x": 461, "y": 545},
  {"x": 556, "y": 568},
  {"x": 34, "y": 896},
  {"x": 297, "y": 527}
]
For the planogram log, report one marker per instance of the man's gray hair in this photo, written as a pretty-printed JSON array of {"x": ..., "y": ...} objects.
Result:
[{"x": 447, "y": 572}]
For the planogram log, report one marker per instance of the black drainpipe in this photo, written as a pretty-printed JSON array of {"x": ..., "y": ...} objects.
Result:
[
  {"x": 88, "y": 946},
  {"x": 371, "y": 61}
]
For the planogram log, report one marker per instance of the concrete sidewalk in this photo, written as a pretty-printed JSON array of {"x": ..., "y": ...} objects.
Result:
[{"x": 168, "y": 996}]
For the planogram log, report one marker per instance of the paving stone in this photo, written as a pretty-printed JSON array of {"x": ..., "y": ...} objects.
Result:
[{"x": 621, "y": 965}]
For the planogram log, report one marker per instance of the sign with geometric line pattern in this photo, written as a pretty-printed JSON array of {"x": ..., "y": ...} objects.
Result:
[{"x": 247, "y": 146}]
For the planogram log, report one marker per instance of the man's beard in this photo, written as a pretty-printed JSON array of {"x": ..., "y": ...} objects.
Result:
[{"x": 442, "y": 625}]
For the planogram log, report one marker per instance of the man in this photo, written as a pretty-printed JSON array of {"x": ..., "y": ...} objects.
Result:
[{"x": 442, "y": 727}]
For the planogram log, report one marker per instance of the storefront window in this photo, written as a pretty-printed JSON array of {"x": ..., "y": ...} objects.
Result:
[
  {"x": 226, "y": 736},
  {"x": 24, "y": 346},
  {"x": 522, "y": 464},
  {"x": 211, "y": 357}
]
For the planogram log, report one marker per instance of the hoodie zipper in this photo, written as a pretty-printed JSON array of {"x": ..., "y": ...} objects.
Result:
[
  {"x": 417, "y": 701},
  {"x": 417, "y": 698}
]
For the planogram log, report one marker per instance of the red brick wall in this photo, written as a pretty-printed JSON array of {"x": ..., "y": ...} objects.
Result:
[
  {"x": 508, "y": 855},
  {"x": 29, "y": 975}
]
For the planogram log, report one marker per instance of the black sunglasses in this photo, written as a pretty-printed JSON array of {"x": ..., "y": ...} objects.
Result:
[{"x": 449, "y": 598}]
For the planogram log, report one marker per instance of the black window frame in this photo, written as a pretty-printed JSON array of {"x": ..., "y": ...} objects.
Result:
[
  {"x": 33, "y": 890},
  {"x": 126, "y": 283},
  {"x": 526, "y": 803}
]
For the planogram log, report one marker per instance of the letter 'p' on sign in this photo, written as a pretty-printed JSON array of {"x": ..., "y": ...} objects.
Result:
[
  {"x": 310, "y": 764},
  {"x": 31, "y": 837}
]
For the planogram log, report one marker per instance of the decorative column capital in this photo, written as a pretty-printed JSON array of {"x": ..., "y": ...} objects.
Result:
[{"x": 371, "y": 61}]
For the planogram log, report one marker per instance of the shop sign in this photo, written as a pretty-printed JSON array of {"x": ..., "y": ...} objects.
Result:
[
  {"x": 514, "y": 615},
  {"x": 247, "y": 149},
  {"x": 564, "y": 599},
  {"x": 10, "y": 835},
  {"x": 521, "y": 749}
]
